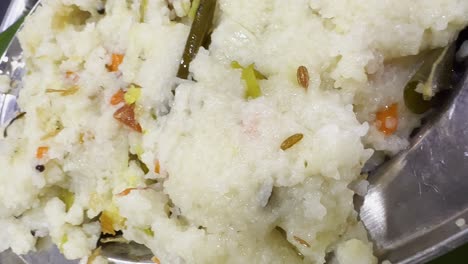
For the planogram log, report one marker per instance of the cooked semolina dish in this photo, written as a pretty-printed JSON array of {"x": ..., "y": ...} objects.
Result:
[{"x": 247, "y": 156}]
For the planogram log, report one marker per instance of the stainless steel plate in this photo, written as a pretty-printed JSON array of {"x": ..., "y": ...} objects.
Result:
[{"x": 414, "y": 199}]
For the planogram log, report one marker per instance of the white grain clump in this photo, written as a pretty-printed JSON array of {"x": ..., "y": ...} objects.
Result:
[{"x": 219, "y": 189}]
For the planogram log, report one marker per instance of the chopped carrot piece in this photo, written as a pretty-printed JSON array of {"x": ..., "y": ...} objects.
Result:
[
  {"x": 115, "y": 63},
  {"x": 126, "y": 116},
  {"x": 126, "y": 191},
  {"x": 117, "y": 98},
  {"x": 41, "y": 152},
  {"x": 155, "y": 260},
  {"x": 157, "y": 167},
  {"x": 386, "y": 119}
]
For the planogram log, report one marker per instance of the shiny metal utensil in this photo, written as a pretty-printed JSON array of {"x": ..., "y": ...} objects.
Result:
[
  {"x": 410, "y": 209},
  {"x": 119, "y": 253},
  {"x": 11, "y": 62},
  {"x": 415, "y": 199},
  {"x": 15, "y": 10},
  {"x": 8, "y": 108}
]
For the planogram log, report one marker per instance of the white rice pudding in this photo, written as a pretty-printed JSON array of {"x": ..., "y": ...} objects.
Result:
[{"x": 220, "y": 189}]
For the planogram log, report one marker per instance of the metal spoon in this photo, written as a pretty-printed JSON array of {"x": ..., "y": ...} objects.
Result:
[{"x": 416, "y": 205}]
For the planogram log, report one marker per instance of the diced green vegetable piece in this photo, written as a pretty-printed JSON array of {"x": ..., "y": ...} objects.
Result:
[
  {"x": 139, "y": 150},
  {"x": 154, "y": 116},
  {"x": 143, "y": 6},
  {"x": 258, "y": 75},
  {"x": 236, "y": 65},
  {"x": 67, "y": 197},
  {"x": 250, "y": 75},
  {"x": 132, "y": 95},
  {"x": 148, "y": 231},
  {"x": 253, "y": 89}
]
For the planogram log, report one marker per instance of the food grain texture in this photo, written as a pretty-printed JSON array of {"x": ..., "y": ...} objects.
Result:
[{"x": 193, "y": 169}]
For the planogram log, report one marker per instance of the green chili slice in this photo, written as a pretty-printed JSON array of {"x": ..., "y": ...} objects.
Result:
[{"x": 199, "y": 32}]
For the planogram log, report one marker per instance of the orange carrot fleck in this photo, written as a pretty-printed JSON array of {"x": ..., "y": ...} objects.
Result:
[
  {"x": 115, "y": 63},
  {"x": 157, "y": 167},
  {"x": 126, "y": 116},
  {"x": 117, "y": 98},
  {"x": 41, "y": 152},
  {"x": 386, "y": 119}
]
